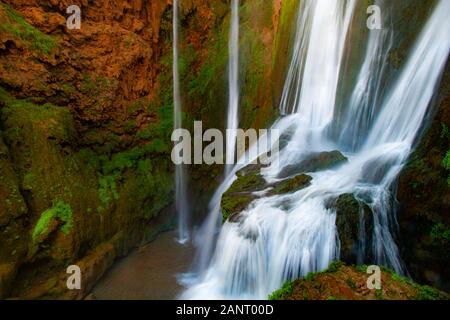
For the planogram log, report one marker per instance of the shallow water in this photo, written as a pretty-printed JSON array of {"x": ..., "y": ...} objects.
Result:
[{"x": 148, "y": 273}]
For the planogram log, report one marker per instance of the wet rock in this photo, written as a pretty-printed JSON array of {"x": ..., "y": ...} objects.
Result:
[
  {"x": 423, "y": 193},
  {"x": 233, "y": 204},
  {"x": 291, "y": 185},
  {"x": 242, "y": 192},
  {"x": 352, "y": 217},
  {"x": 314, "y": 162},
  {"x": 7, "y": 274}
]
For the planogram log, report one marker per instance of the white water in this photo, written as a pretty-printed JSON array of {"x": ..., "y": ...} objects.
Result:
[
  {"x": 286, "y": 236},
  {"x": 182, "y": 205},
  {"x": 233, "y": 79}
]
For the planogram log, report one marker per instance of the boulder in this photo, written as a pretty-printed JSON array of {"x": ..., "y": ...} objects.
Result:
[
  {"x": 352, "y": 215},
  {"x": 242, "y": 192},
  {"x": 314, "y": 162}
]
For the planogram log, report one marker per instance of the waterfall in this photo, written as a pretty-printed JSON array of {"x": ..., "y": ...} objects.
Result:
[
  {"x": 205, "y": 237},
  {"x": 180, "y": 171},
  {"x": 368, "y": 91},
  {"x": 282, "y": 237},
  {"x": 233, "y": 79}
]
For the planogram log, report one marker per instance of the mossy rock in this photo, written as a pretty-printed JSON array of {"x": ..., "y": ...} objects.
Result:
[
  {"x": 315, "y": 162},
  {"x": 249, "y": 180},
  {"x": 7, "y": 273},
  {"x": 349, "y": 212},
  {"x": 342, "y": 282},
  {"x": 291, "y": 185}
]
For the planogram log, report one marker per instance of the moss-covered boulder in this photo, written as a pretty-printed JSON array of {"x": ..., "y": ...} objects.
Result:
[
  {"x": 249, "y": 180},
  {"x": 354, "y": 217},
  {"x": 314, "y": 162},
  {"x": 341, "y": 282},
  {"x": 291, "y": 185}
]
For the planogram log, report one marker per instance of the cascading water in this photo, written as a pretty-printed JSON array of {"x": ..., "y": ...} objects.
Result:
[
  {"x": 284, "y": 237},
  {"x": 180, "y": 172},
  {"x": 233, "y": 79},
  {"x": 368, "y": 91}
]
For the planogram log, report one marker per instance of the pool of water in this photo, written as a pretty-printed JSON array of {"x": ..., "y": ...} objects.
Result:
[{"x": 148, "y": 273}]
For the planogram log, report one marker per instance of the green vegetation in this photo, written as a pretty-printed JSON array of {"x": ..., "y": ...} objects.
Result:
[
  {"x": 440, "y": 240},
  {"x": 334, "y": 267},
  {"x": 234, "y": 204},
  {"x": 14, "y": 24},
  {"x": 440, "y": 233},
  {"x": 379, "y": 294},
  {"x": 446, "y": 164},
  {"x": 292, "y": 185},
  {"x": 61, "y": 212},
  {"x": 445, "y": 134},
  {"x": 282, "y": 293},
  {"x": 423, "y": 292},
  {"x": 96, "y": 85},
  {"x": 351, "y": 283},
  {"x": 361, "y": 268},
  {"x": 343, "y": 282},
  {"x": 107, "y": 191},
  {"x": 288, "y": 287},
  {"x": 428, "y": 293}
]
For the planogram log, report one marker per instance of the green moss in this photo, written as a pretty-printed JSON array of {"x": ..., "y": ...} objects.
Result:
[
  {"x": 28, "y": 180},
  {"x": 251, "y": 182},
  {"x": 423, "y": 292},
  {"x": 334, "y": 266},
  {"x": 362, "y": 268},
  {"x": 14, "y": 24},
  {"x": 351, "y": 283},
  {"x": 428, "y": 293},
  {"x": 96, "y": 85},
  {"x": 379, "y": 294},
  {"x": 201, "y": 83},
  {"x": 285, "y": 291},
  {"x": 397, "y": 277},
  {"x": 446, "y": 164},
  {"x": 60, "y": 211},
  {"x": 292, "y": 185},
  {"x": 233, "y": 204},
  {"x": 440, "y": 232},
  {"x": 440, "y": 241},
  {"x": 129, "y": 126},
  {"x": 107, "y": 192},
  {"x": 310, "y": 276},
  {"x": 445, "y": 133}
]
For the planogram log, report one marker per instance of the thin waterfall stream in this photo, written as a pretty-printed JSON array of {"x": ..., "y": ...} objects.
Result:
[
  {"x": 233, "y": 79},
  {"x": 182, "y": 205}
]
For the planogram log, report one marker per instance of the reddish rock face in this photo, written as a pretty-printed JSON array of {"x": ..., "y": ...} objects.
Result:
[{"x": 116, "y": 51}]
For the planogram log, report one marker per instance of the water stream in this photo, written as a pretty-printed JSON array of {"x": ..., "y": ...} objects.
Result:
[
  {"x": 287, "y": 236},
  {"x": 233, "y": 79},
  {"x": 182, "y": 205}
]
